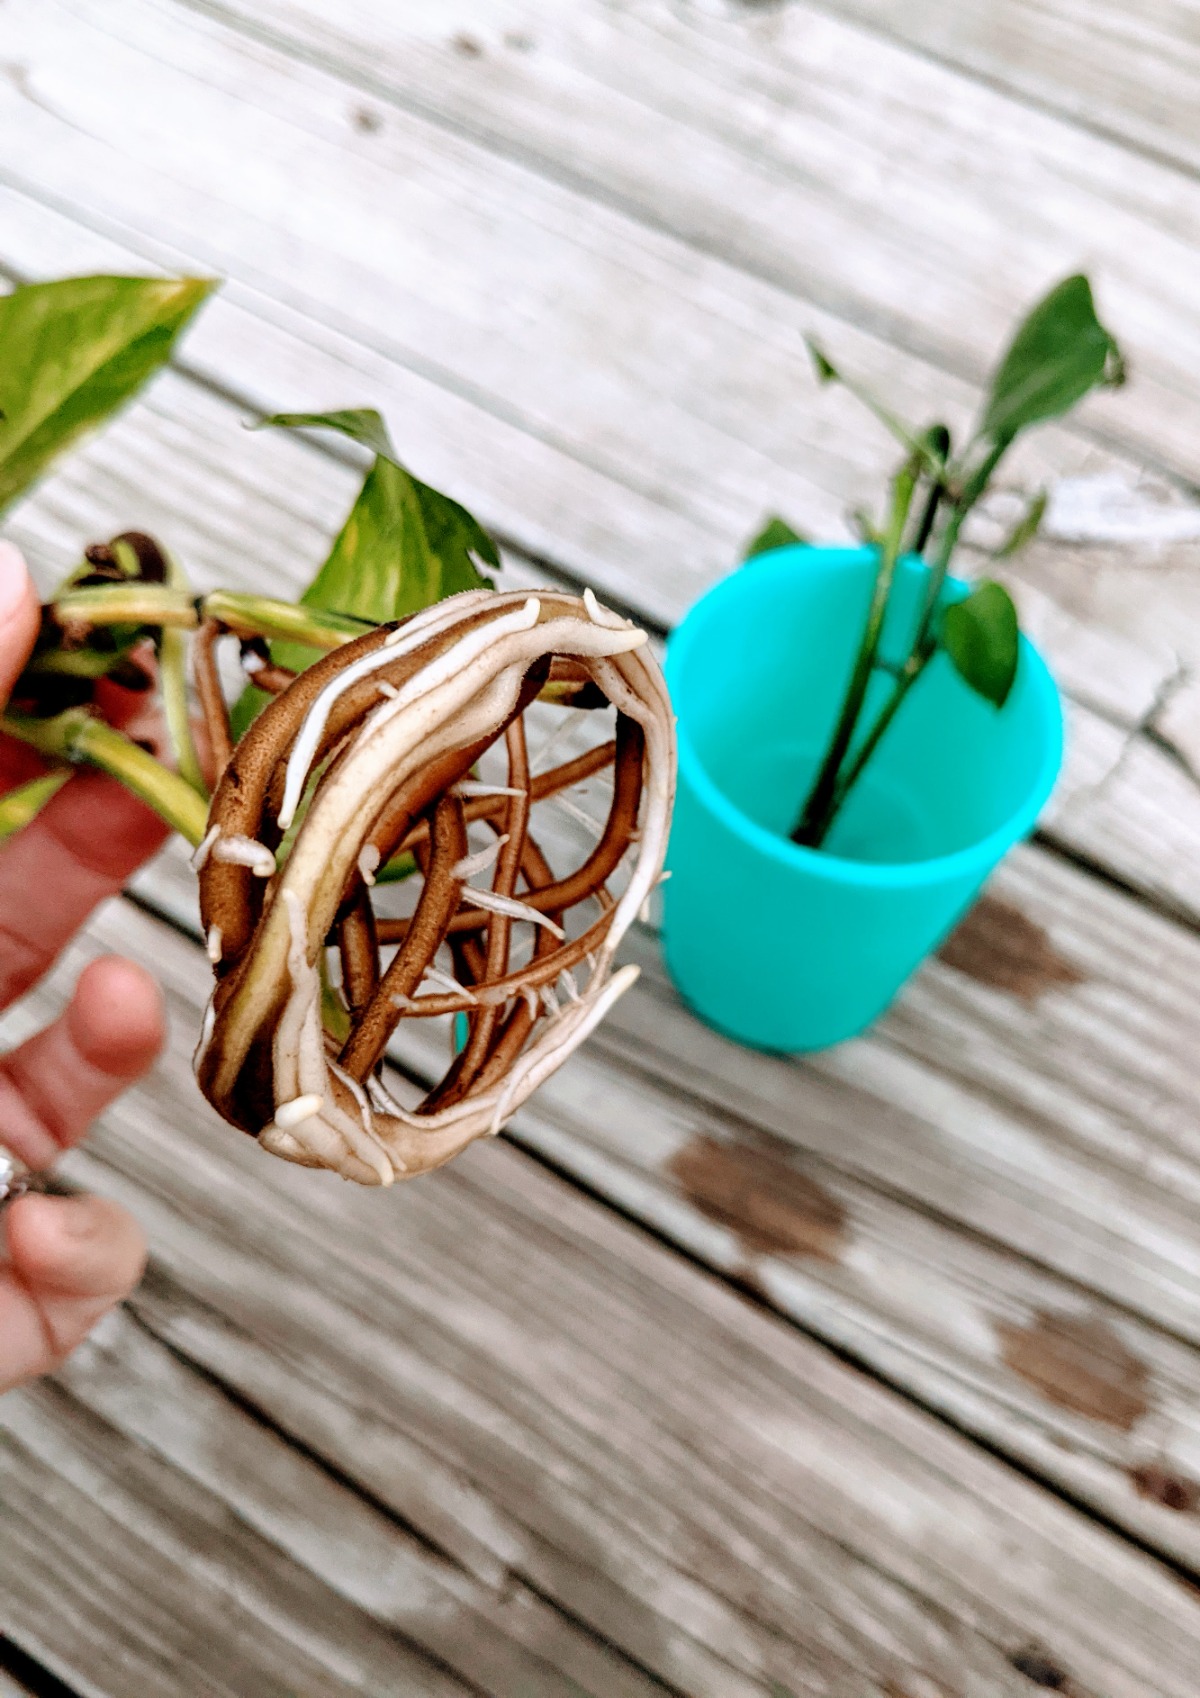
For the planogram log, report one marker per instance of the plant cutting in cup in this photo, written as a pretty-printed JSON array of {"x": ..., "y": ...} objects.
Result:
[
  {"x": 862, "y": 736},
  {"x": 353, "y": 757}
]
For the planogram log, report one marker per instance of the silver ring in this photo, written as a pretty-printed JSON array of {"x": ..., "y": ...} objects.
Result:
[{"x": 15, "y": 1177}]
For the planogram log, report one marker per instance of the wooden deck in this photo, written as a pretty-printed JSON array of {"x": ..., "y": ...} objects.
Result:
[{"x": 875, "y": 1375}]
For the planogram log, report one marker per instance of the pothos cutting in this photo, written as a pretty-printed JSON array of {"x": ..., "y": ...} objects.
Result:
[{"x": 357, "y": 752}]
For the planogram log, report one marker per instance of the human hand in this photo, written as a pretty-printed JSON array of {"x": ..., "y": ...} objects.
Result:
[{"x": 67, "y": 1260}]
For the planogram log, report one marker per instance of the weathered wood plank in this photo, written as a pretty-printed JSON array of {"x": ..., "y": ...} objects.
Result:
[
  {"x": 819, "y": 155},
  {"x": 264, "y": 358},
  {"x": 1007, "y": 1161},
  {"x": 725, "y": 436},
  {"x": 1129, "y": 74},
  {"x": 383, "y": 1596},
  {"x": 169, "y": 457},
  {"x": 679, "y": 117},
  {"x": 680, "y": 1471},
  {"x": 258, "y": 509},
  {"x": 121, "y": 1576}
]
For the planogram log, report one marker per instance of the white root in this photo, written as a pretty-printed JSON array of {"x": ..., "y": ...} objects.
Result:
[
  {"x": 204, "y": 848},
  {"x": 509, "y": 905},
  {"x": 368, "y": 863},
  {"x": 290, "y": 1114},
  {"x": 476, "y": 787},
  {"x": 576, "y": 812},
  {"x": 212, "y": 944},
  {"x": 480, "y": 861},
  {"x": 207, "y": 1026},
  {"x": 604, "y": 616},
  {"x": 446, "y": 982},
  {"x": 245, "y": 852}
]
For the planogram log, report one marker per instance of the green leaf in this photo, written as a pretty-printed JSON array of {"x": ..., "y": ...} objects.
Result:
[
  {"x": 404, "y": 545},
  {"x": 1025, "y": 529},
  {"x": 915, "y": 442},
  {"x": 982, "y": 638},
  {"x": 360, "y": 424},
  {"x": 72, "y": 352},
  {"x": 1058, "y": 354},
  {"x": 776, "y": 533}
]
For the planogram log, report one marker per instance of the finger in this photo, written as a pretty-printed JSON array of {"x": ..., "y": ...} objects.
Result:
[
  {"x": 71, "y": 1259},
  {"x": 19, "y": 617},
  {"x": 18, "y": 764},
  {"x": 115, "y": 703},
  {"x": 79, "y": 850},
  {"x": 55, "y": 1084}
]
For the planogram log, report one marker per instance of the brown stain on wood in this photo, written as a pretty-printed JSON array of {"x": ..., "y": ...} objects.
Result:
[
  {"x": 1078, "y": 1364},
  {"x": 1162, "y": 1485},
  {"x": 1000, "y": 946},
  {"x": 774, "y": 1209},
  {"x": 1045, "y": 1672}
]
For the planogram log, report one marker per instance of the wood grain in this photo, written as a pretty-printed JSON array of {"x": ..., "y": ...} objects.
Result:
[
  {"x": 698, "y": 457},
  {"x": 191, "y": 473},
  {"x": 994, "y": 1166},
  {"x": 494, "y": 1439},
  {"x": 121, "y": 1576},
  {"x": 377, "y": 1595},
  {"x": 686, "y": 1475},
  {"x": 831, "y": 160},
  {"x": 1128, "y": 75}
]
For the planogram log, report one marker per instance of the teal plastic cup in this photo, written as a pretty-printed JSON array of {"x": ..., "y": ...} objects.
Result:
[{"x": 794, "y": 949}]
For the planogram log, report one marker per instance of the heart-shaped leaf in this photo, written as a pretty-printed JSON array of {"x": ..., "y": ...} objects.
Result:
[
  {"x": 776, "y": 533},
  {"x": 1058, "y": 354},
  {"x": 72, "y": 352},
  {"x": 404, "y": 545},
  {"x": 982, "y": 638}
]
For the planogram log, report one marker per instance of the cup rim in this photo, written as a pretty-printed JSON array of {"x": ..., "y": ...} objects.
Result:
[{"x": 973, "y": 858}]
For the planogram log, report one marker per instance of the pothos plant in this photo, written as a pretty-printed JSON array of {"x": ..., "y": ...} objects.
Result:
[
  {"x": 72, "y": 353},
  {"x": 349, "y": 760},
  {"x": 1059, "y": 354}
]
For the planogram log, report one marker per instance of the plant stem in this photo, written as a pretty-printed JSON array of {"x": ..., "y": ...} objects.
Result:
[
  {"x": 924, "y": 643},
  {"x": 247, "y": 615},
  {"x": 948, "y": 542},
  {"x": 22, "y": 805},
  {"x": 816, "y": 816},
  {"x": 285, "y": 621},
  {"x": 172, "y": 677},
  {"x": 77, "y": 737},
  {"x": 126, "y": 604},
  {"x": 924, "y": 529},
  {"x": 916, "y": 664}
]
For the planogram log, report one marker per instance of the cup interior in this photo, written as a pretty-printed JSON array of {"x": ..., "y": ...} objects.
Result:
[{"x": 758, "y": 670}]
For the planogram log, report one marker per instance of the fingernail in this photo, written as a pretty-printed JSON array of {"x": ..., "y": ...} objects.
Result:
[{"x": 14, "y": 577}]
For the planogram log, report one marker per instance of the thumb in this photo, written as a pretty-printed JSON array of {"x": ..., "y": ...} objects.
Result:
[{"x": 19, "y": 617}]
